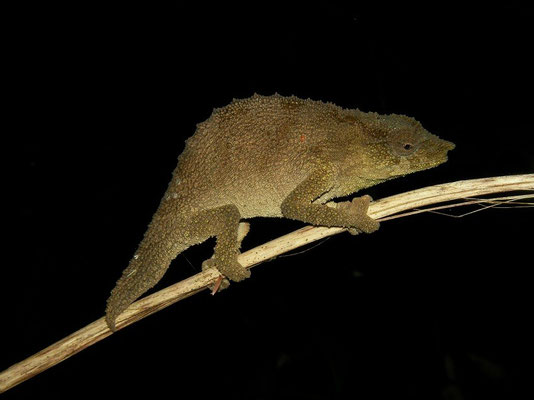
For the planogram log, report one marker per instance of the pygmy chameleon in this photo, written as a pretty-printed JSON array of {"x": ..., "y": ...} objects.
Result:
[{"x": 272, "y": 156}]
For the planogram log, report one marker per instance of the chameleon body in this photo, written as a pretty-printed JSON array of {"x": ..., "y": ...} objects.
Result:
[{"x": 272, "y": 156}]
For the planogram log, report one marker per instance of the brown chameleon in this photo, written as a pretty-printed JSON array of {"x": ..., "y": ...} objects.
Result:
[{"x": 272, "y": 156}]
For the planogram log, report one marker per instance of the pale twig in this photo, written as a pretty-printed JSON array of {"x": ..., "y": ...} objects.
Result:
[{"x": 380, "y": 209}]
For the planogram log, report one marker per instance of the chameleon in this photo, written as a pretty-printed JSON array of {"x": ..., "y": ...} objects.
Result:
[{"x": 272, "y": 156}]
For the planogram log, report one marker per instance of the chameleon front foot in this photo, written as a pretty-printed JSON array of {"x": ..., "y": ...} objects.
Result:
[{"x": 359, "y": 220}]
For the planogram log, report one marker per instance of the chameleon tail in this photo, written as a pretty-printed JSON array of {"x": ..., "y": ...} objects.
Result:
[{"x": 154, "y": 255}]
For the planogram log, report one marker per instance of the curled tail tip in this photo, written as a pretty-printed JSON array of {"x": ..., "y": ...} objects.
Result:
[
  {"x": 117, "y": 302},
  {"x": 141, "y": 274},
  {"x": 110, "y": 321},
  {"x": 122, "y": 296},
  {"x": 111, "y": 316}
]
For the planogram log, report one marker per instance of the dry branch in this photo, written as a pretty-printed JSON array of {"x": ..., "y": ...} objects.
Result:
[{"x": 380, "y": 209}]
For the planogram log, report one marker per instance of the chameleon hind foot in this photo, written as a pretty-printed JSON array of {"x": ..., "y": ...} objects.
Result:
[{"x": 231, "y": 270}]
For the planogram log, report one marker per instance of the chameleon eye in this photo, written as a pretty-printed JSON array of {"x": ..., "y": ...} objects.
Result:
[
  {"x": 407, "y": 148},
  {"x": 404, "y": 148}
]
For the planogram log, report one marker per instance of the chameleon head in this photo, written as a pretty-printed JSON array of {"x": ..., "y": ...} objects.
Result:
[{"x": 399, "y": 145}]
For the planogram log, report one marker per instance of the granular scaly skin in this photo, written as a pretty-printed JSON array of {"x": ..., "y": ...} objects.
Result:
[{"x": 272, "y": 156}]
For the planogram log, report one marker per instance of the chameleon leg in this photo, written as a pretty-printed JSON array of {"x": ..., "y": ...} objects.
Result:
[
  {"x": 222, "y": 222},
  {"x": 223, "y": 283},
  {"x": 299, "y": 205}
]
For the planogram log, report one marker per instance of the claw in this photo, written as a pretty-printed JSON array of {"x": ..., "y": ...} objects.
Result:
[{"x": 217, "y": 284}]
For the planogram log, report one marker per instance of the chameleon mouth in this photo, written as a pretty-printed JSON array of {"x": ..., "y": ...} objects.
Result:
[
  {"x": 441, "y": 152},
  {"x": 448, "y": 146}
]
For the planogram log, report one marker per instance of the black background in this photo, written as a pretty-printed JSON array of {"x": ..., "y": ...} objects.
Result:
[{"x": 429, "y": 307}]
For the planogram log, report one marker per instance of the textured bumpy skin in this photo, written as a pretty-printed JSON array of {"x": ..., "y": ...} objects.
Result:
[{"x": 272, "y": 156}]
